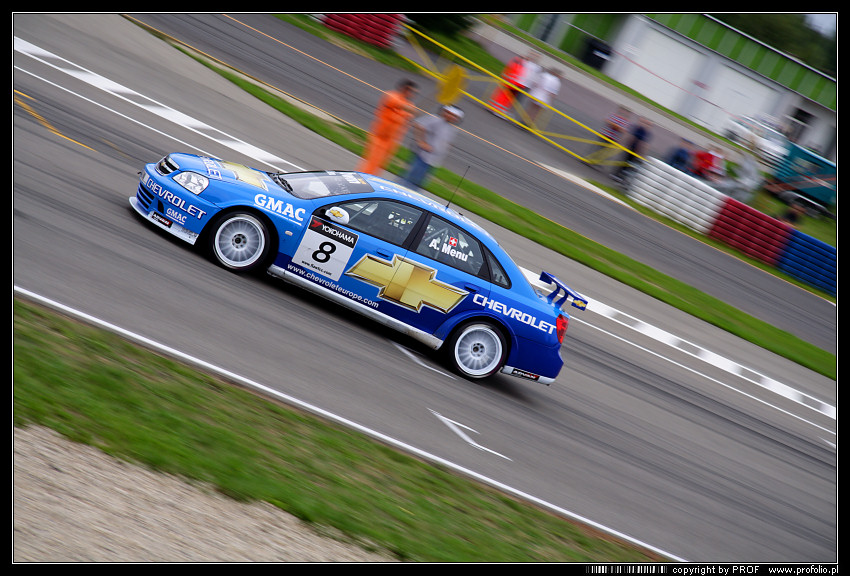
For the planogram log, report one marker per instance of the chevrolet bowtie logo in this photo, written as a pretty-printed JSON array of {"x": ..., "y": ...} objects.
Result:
[{"x": 407, "y": 283}]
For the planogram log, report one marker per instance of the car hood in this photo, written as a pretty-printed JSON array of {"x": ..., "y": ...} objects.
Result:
[{"x": 221, "y": 170}]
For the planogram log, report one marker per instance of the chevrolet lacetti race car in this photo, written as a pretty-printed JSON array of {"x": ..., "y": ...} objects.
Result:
[{"x": 373, "y": 246}]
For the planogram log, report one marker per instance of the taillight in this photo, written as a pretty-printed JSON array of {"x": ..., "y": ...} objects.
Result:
[{"x": 561, "y": 327}]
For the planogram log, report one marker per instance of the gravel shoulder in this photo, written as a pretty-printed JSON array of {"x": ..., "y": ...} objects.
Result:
[{"x": 74, "y": 503}]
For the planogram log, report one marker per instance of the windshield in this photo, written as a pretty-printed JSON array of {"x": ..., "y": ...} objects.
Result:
[{"x": 321, "y": 184}]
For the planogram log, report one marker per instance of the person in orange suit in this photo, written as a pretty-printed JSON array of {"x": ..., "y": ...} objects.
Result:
[
  {"x": 392, "y": 115},
  {"x": 519, "y": 74},
  {"x": 504, "y": 94}
]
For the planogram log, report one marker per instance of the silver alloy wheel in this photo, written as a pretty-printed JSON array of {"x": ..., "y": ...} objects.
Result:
[
  {"x": 478, "y": 350},
  {"x": 239, "y": 241}
]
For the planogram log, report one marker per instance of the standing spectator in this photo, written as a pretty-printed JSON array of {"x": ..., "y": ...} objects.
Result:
[
  {"x": 393, "y": 113},
  {"x": 680, "y": 157},
  {"x": 544, "y": 91},
  {"x": 517, "y": 75},
  {"x": 709, "y": 164},
  {"x": 529, "y": 74},
  {"x": 615, "y": 127},
  {"x": 718, "y": 165},
  {"x": 639, "y": 137},
  {"x": 504, "y": 93},
  {"x": 617, "y": 124},
  {"x": 432, "y": 137}
]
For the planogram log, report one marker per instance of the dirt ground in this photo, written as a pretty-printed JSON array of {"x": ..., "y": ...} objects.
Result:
[{"x": 73, "y": 503}]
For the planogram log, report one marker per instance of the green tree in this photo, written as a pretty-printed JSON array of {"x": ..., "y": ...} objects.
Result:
[
  {"x": 788, "y": 33},
  {"x": 445, "y": 24}
]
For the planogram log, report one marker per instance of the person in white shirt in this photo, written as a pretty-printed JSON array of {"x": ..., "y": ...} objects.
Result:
[
  {"x": 528, "y": 76},
  {"x": 543, "y": 92}
]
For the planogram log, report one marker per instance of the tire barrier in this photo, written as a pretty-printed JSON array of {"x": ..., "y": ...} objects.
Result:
[
  {"x": 376, "y": 29},
  {"x": 677, "y": 195},
  {"x": 753, "y": 233},
  {"x": 800, "y": 255},
  {"x": 693, "y": 203}
]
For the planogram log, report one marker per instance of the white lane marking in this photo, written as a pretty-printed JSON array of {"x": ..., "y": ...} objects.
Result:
[
  {"x": 584, "y": 184},
  {"x": 697, "y": 352},
  {"x": 416, "y": 359},
  {"x": 146, "y": 103},
  {"x": 456, "y": 428},
  {"x": 204, "y": 365},
  {"x": 707, "y": 377},
  {"x": 623, "y": 319}
]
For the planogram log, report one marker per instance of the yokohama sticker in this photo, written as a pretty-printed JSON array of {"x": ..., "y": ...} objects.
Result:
[{"x": 325, "y": 248}]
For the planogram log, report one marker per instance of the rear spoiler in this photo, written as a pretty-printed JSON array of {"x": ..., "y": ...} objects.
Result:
[{"x": 578, "y": 300}]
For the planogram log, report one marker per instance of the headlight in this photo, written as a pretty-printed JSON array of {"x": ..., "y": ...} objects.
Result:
[{"x": 192, "y": 181}]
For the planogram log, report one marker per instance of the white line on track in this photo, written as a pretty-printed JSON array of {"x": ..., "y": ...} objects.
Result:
[
  {"x": 416, "y": 359},
  {"x": 699, "y": 353}
]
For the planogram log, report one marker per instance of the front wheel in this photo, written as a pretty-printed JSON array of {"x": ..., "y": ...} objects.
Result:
[
  {"x": 477, "y": 350},
  {"x": 240, "y": 242}
]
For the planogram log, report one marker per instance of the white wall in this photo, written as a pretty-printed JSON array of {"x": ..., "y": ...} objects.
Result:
[
  {"x": 705, "y": 87},
  {"x": 732, "y": 93},
  {"x": 660, "y": 66}
]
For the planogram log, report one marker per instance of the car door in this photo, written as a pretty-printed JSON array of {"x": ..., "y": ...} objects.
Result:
[
  {"x": 356, "y": 248},
  {"x": 453, "y": 276}
]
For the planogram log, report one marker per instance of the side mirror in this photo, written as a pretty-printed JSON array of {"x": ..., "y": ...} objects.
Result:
[{"x": 337, "y": 215}]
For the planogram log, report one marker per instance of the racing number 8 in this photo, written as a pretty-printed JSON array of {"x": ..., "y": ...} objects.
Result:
[{"x": 323, "y": 254}]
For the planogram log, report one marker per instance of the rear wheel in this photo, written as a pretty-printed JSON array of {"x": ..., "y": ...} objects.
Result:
[
  {"x": 477, "y": 350},
  {"x": 240, "y": 242}
]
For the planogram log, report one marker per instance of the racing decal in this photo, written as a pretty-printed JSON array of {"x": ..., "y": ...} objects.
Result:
[
  {"x": 281, "y": 207},
  {"x": 407, "y": 283},
  {"x": 325, "y": 248},
  {"x": 524, "y": 374},
  {"x": 172, "y": 198},
  {"x": 514, "y": 313},
  {"x": 449, "y": 248},
  {"x": 176, "y": 216},
  {"x": 247, "y": 175},
  {"x": 213, "y": 168},
  {"x": 325, "y": 283},
  {"x": 164, "y": 221}
]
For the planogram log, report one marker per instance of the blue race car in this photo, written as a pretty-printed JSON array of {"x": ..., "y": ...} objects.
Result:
[{"x": 373, "y": 246}]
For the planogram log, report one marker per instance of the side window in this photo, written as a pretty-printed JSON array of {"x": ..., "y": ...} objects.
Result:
[
  {"x": 448, "y": 244},
  {"x": 497, "y": 273},
  {"x": 384, "y": 219}
]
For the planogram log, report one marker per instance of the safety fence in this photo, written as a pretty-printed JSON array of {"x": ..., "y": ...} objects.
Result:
[{"x": 693, "y": 203}]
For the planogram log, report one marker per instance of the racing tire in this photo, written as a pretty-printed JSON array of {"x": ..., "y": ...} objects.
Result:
[
  {"x": 477, "y": 350},
  {"x": 240, "y": 242}
]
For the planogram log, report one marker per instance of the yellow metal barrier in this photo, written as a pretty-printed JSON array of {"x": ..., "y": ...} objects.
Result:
[{"x": 455, "y": 78}]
